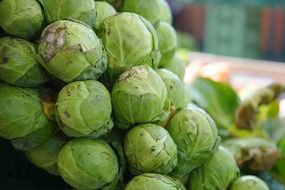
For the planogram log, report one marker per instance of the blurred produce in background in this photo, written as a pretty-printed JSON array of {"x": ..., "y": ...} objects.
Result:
[{"x": 252, "y": 29}]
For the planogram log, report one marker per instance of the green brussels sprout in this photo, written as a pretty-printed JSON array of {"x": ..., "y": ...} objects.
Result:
[
  {"x": 21, "y": 112},
  {"x": 103, "y": 10},
  {"x": 167, "y": 40},
  {"x": 152, "y": 10},
  {"x": 216, "y": 174},
  {"x": 18, "y": 63},
  {"x": 196, "y": 137},
  {"x": 150, "y": 148},
  {"x": 177, "y": 91},
  {"x": 34, "y": 138},
  {"x": 249, "y": 183},
  {"x": 83, "y": 10},
  {"x": 138, "y": 96},
  {"x": 254, "y": 153},
  {"x": 45, "y": 155},
  {"x": 129, "y": 40},
  {"x": 71, "y": 51},
  {"x": 87, "y": 164},
  {"x": 22, "y": 18},
  {"x": 83, "y": 108},
  {"x": 152, "y": 181},
  {"x": 175, "y": 65}
]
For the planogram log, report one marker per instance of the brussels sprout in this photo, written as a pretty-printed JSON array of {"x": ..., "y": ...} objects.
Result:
[
  {"x": 129, "y": 40},
  {"x": 83, "y": 108},
  {"x": 196, "y": 137},
  {"x": 18, "y": 63},
  {"x": 87, "y": 164},
  {"x": 175, "y": 65},
  {"x": 152, "y": 181},
  {"x": 34, "y": 138},
  {"x": 149, "y": 148},
  {"x": 254, "y": 153},
  {"x": 152, "y": 10},
  {"x": 138, "y": 96},
  {"x": 177, "y": 91},
  {"x": 83, "y": 10},
  {"x": 71, "y": 51},
  {"x": 103, "y": 10},
  {"x": 249, "y": 183},
  {"x": 22, "y": 18},
  {"x": 216, "y": 174},
  {"x": 45, "y": 155},
  {"x": 21, "y": 112},
  {"x": 167, "y": 40}
]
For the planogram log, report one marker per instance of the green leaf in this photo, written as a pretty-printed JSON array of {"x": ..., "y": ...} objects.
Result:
[{"x": 218, "y": 99}]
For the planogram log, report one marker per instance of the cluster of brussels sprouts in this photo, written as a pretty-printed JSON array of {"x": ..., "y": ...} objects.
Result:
[{"x": 93, "y": 93}]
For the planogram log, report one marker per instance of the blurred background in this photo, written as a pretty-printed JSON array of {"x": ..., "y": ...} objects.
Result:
[
  {"x": 239, "y": 41},
  {"x": 252, "y": 28}
]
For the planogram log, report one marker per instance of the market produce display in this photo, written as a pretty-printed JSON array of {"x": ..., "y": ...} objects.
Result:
[{"x": 92, "y": 92}]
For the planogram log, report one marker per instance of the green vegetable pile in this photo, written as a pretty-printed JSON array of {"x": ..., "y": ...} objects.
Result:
[{"x": 93, "y": 92}]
